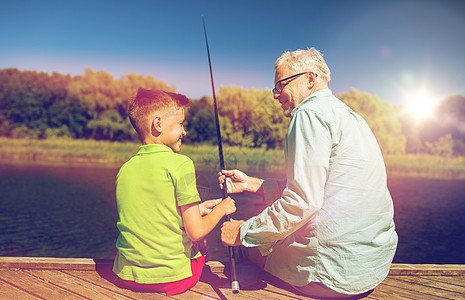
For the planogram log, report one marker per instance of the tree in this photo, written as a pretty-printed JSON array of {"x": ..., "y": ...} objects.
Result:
[
  {"x": 200, "y": 122},
  {"x": 445, "y": 125},
  {"x": 251, "y": 118},
  {"x": 25, "y": 100},
  {"x": 109, "y": 125},
  {"x": 380, "y": 116},
  {"x": 92, "y": 105},
  {"x": 70, "y": 115},
  {"x": 444, "y": 146},
  {"x": 451, "y": 115}
]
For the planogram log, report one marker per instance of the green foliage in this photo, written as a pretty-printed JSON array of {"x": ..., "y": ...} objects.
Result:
[
  {"x": 450, "y": 118},
  {"x": 442, "y": 147},
  {"x": 248, "y": 118},
  {"x": 25, "y": 100},
  {"x": 94, "y": 106},
  {"x": 443, "y": 132},
  {"x": 380, "y": 116},
  {"x": 251, "y": 118},
  {"x": 109, "y": 125},
  {"x": 200, "y": 122}
]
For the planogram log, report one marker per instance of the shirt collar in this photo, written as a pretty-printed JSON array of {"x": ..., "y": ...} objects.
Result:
[
  {"x": 319, "y": 93},
  {"x": 153, "y": 148}
]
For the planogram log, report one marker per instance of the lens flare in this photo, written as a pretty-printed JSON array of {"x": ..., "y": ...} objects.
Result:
[{"x": 421, "y": 104}]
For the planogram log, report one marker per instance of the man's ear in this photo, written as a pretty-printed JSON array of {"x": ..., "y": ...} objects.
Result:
[{"x": 311, "y": 80}]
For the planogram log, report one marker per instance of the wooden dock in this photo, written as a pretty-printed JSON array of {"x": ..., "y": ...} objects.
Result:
[{"x": 81, "y": 278}]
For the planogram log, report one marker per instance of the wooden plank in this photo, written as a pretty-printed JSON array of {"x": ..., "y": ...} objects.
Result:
[
  {"x": 221, "y": 289},
  {"x": 405, "y": 280},
  {"x": 49, "y": 263},
  {"x": 278, "y": 286},
  {"x": 75, "y": 285},
  {"x": 8, "y": 291},
  {"x": 104, "y": 277},
  {"x": 35, "y": 286},
  {"x": 396, "y": 291},
  {"x": 387, "y": 291},
  {"x": 379, "y": 294},
  {"x": 106, "y": 281},
  {"x": 396, "y": 269},
  {"x": 226, "y": 293},
  {"x": 192, "y": 295},
  {"x": 215, "y": 266},
  {"x": 251, "y": 281},
  {"x": 440, "y": 288},
  {"x": 456, "y": 280},
  {"x": 210, "y": 283},
  {"x": 442, "y": 284},
  {"x": 411, "y": 290},
  {"x": 424, "y": 269}
]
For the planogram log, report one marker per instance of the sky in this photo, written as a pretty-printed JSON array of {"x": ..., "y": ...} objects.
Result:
[{"x": 390, "y": 49}]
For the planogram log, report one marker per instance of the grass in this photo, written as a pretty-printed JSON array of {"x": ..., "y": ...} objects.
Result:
[
  {"x": 65, "y": 151},
  {"x": 235, "y": 157},
  {"x": 423, "y": 165},
  {"x": 112, "y": 154}
]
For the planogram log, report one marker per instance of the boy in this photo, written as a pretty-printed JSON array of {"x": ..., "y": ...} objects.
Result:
[{"x": 159, "y": 207}]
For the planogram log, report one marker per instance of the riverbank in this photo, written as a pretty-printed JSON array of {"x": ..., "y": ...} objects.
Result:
[
  {"x": 62, "y": 151},
  {"x": 111, "y": 154}
]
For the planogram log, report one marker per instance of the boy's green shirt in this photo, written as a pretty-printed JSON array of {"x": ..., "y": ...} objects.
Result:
[{"x": 150, "y": 187}]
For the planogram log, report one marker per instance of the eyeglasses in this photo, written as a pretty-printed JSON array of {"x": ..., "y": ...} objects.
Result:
[{"x": 279, "y": 86}]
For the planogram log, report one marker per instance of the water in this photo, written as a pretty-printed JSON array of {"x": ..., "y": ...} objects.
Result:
[
  {"x": 71, "y": 212},
  {"x": 57, "y": 211}
]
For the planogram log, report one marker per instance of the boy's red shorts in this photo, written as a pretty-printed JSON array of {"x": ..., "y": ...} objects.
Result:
[{"x": 175, "y": 287}]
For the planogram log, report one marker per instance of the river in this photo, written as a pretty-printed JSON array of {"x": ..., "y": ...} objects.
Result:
[{"x": 71, "y": 212}]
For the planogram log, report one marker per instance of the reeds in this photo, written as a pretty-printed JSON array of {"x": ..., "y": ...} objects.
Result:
[
  {"x": 424, "y": 165},
  {"x": 65, "y": 151}
]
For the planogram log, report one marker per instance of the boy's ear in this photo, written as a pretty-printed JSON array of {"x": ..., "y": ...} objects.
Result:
[{"x": 156, "y": 124}]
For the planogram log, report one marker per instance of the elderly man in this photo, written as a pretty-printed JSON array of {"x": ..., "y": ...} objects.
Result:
[{"x": 328, "y": 230}]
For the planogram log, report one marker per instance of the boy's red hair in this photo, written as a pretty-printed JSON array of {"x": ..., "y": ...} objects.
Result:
[{"x": 147, "y": 102}]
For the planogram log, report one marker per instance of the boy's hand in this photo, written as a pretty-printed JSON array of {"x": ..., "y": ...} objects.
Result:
[
  {"x": 207, "y": 206},
  {"x": 228, "y": 205}
]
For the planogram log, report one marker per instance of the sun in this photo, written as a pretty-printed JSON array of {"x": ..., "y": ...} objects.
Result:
[{"x": 421, "y": 104}]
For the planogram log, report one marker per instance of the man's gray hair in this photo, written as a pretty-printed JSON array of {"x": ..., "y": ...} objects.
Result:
[{"x": 305, "y": 60}]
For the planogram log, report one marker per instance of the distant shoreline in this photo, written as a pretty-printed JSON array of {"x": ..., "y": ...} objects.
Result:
[
  {"x": 54, "y": 160},
  {"x": 69, "y": 152}
]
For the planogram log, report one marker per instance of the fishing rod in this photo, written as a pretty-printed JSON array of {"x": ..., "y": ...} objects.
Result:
[{"x": 232, "y": 258}]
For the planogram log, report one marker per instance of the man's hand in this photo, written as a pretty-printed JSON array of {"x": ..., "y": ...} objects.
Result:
[
  {"x": 236, "y": 181},
  {"x": 230, "y": 233}
]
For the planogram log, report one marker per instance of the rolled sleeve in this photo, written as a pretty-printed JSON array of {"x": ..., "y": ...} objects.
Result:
[{"x": 272, "y": 189}]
